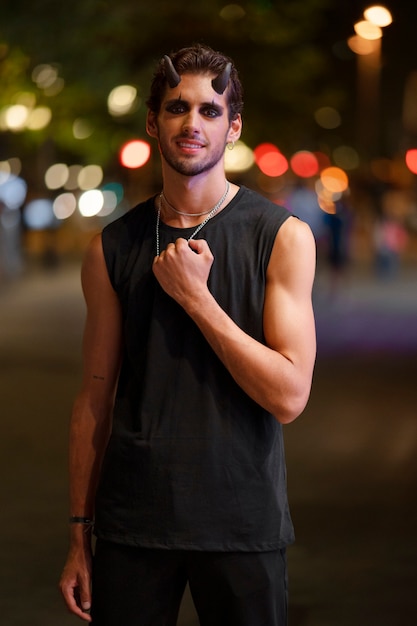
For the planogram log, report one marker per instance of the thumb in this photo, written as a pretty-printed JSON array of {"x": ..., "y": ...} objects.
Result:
[
  {"x": 198, "y": 245},
  {"x": 85, "y": 595}
]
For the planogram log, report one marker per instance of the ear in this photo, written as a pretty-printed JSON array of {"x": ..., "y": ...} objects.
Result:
[
  {"x": 235, "y": 129},
  {"x": 151, "y": 125}
]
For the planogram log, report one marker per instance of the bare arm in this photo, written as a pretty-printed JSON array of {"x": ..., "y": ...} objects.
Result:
[
  {"x": 91, "y": 419},
  {"x": 277, "y": 375}
]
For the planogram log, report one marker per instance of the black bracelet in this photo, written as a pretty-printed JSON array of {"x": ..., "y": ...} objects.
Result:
[{"x": 75, "y": 519}]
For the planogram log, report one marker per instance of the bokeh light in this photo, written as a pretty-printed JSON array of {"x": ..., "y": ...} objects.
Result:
[
  {"x": 5, "y": 171},
  {"x": 82, "y": 129},
  {"x": 264, "y": 148},
  {"x": 90, "y": 177},
  {"x": 327, "y": 117},
  {"x": 360, "y": 46},
  {"x": 304, "y": 164},
  {"x": 273, "y": 164},
  {"x": 270, "y": 160},
  {"x": 39, "y": 118},
  {"x": 367, "y": 30},
  {"x": 240, "y": 159},
  {"x": 64, "y": 205},
  {"x": 15, "y": 117},
  {"x": 334, "y": 179},
  {"x": 38, "y": 214},
  {"x": 378, "y": 15},
  {"x": 46, "y": 76},
  {"x": 135, "y": 153},
  {"x": 13, "y": 190},
  {"x": 56, "y": 175},
  {"x": 411, "y": 160},
  {"x": 122, "y": 100},
  {"x": 90, "y": 203}
]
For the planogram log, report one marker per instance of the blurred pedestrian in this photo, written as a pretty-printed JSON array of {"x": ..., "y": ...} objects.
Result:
[
  {"x": 199, "y": 345},
  {"x": 338, "y": 224},
  {"x": 390, "y": 239}
]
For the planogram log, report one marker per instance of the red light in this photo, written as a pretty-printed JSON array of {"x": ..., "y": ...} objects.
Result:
[
  {"x": 411, "y": 160},
  {"x": 304, "y": 164},
  {"x": 262, "y": 149},
  {"x": 273, "y": 164}
]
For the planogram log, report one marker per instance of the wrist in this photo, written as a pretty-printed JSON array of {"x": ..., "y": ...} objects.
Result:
[
  {"x": 81, "y": 519},
  {"x": 80, "y": 527}
]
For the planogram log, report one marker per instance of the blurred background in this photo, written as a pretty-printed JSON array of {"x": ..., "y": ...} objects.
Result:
[{"x": 330, "y": 132}]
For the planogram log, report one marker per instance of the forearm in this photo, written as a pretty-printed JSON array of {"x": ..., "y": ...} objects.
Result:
[
  {"x": 89, "y": 432},
  {"x": 269, "y": 377}
]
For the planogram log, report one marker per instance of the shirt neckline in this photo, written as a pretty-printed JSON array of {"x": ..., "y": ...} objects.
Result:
[{"x": 190, "y": 229}]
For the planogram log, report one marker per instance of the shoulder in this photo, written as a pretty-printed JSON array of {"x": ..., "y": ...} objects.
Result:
[
  {"x": 295, "y": 234},
  {"x": 294, "y": 250},
  {"x": 94, "y": 269}
]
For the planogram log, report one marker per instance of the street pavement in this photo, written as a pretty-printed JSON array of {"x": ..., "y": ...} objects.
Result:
[{"x": 352, "y": 462}]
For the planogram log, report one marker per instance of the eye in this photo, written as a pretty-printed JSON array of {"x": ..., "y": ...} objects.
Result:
[
  {"x": 176, "y": 108},
  {"x": 211, "y": 111}
]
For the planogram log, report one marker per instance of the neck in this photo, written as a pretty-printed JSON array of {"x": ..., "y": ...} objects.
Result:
[
  {"x": 201, "y": 225},
  {"x": 185, "y": 204}
]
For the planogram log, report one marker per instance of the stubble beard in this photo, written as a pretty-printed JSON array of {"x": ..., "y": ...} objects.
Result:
[{"x": 186, "y": 166}]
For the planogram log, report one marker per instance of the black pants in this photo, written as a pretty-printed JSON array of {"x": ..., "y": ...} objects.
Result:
[{"x": 140, "y": 587}]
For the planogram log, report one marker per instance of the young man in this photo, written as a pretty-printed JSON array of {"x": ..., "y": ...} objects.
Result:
[{"x": 199, "y": 344}]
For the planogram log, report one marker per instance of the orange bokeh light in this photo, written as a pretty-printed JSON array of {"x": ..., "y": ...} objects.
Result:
[{"x": 334, "y": 179}]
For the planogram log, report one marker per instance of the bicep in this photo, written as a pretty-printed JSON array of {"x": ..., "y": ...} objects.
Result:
[
  {"x": 102, "y": 342},
  {"x": 288, "y": 313}
]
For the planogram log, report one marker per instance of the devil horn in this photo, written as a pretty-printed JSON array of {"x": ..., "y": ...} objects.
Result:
[
  {"x": 219, "y": 83},
  {"x": 171, "y": 73}
]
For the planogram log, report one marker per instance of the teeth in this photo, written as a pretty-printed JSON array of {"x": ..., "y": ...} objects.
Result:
[{"x": 189, "y": 145}]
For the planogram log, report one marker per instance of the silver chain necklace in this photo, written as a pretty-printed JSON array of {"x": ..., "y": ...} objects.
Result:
[
  {"x": 162, "y": 197},
  {"x": 200, "y": 226}
]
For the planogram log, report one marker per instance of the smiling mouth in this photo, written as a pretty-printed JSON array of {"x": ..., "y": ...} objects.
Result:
[{"x": 187, "y": 145}]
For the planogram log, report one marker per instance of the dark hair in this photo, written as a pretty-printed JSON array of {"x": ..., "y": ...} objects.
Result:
[{"x": 197, "y": 59}]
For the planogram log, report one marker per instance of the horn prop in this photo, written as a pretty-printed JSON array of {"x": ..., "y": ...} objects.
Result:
[
  {"x": 171, "y": 73},
  {"x": 219, "y": 83}
]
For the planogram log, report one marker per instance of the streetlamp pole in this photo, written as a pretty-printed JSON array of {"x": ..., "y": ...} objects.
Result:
[
  {"x": 367, "y": 46},
  {"x": 368, "y": 99}
]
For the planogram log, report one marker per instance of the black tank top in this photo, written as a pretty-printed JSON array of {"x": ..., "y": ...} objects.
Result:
[{"x": 192, "y": 462}]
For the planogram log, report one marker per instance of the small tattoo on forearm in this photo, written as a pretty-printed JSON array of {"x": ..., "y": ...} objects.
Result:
[{"x": 98, "y": 377}]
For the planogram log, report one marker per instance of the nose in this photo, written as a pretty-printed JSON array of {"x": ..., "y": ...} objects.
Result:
[{"x": 191, "y": 123}]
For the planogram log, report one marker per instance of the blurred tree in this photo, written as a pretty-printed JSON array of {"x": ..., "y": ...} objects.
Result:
[{"x": 95, "y": 45}]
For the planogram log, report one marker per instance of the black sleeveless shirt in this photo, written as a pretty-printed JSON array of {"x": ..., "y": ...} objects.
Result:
[{"x": 192, "y": 462}]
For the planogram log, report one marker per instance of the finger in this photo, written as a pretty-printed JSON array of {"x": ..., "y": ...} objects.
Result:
[
  {"x": 198, "y": 245},
  {"x": 70, "y": 596}
]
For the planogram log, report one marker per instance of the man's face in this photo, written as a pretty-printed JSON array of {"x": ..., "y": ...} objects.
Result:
[{"x": 193, "y": 126}]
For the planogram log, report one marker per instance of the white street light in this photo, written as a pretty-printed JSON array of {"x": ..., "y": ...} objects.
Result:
[{"x": 378, "y": 15}]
